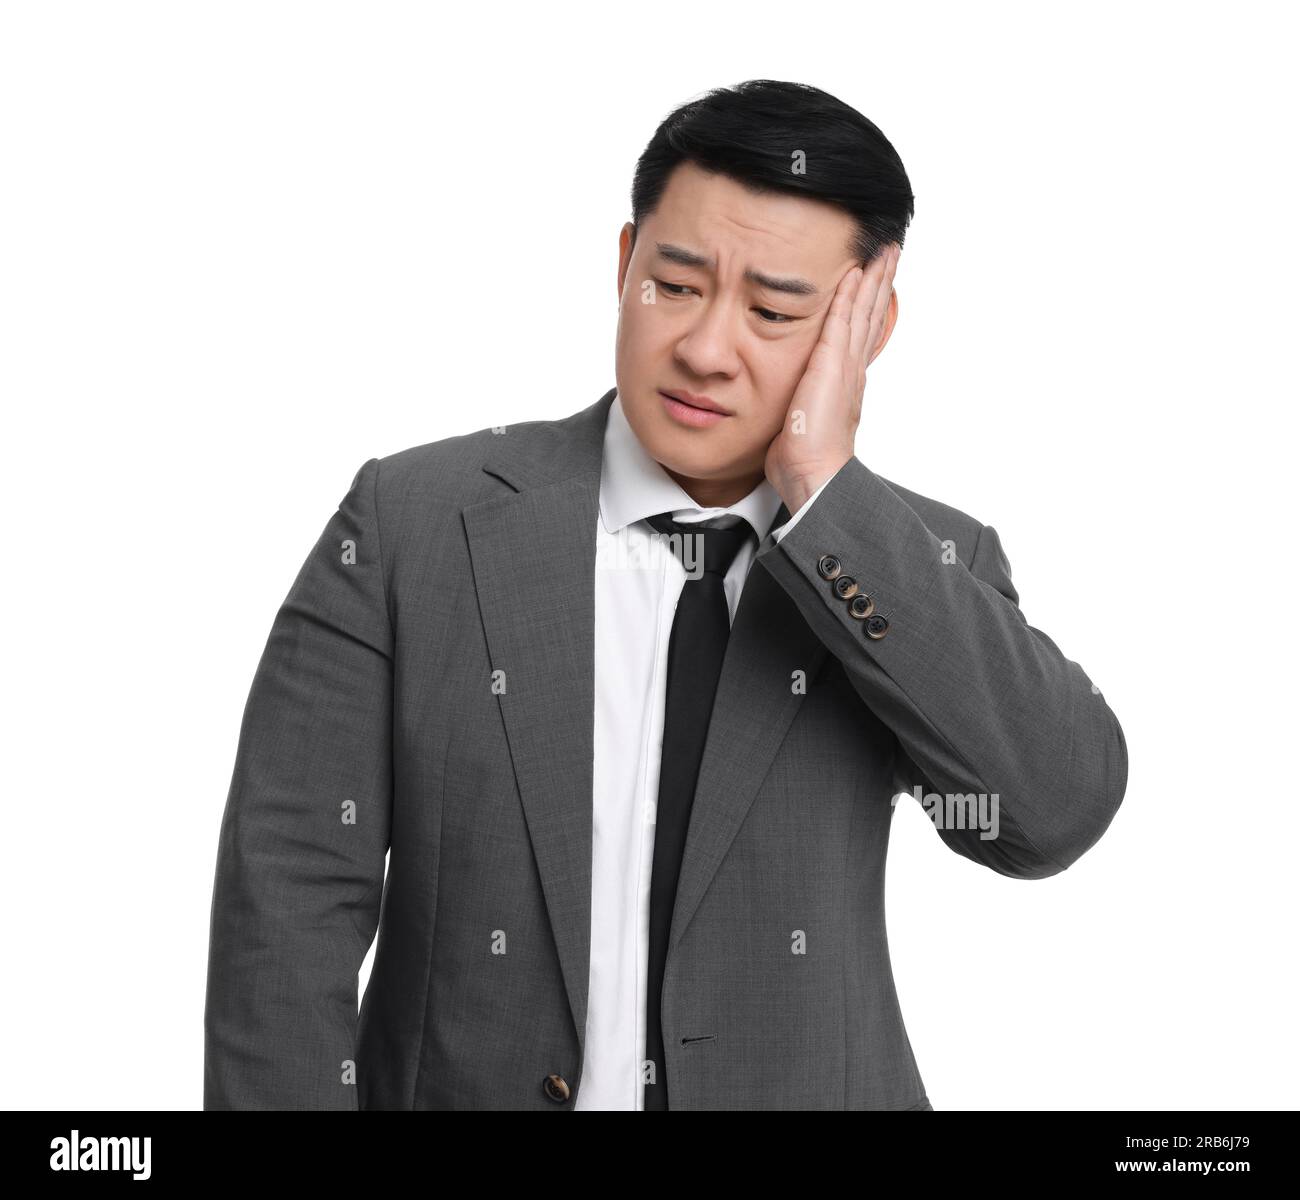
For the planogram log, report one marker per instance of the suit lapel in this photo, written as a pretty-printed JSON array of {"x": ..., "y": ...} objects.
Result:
[
  {"x": 754, "y": 706},
  {"x": 533, "y": 554}
]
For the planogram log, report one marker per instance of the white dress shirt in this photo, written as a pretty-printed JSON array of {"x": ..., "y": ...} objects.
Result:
[{"x": 638, "y": 582}]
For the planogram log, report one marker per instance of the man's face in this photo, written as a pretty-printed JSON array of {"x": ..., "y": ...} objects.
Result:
[{"x": 711, "y": 331}]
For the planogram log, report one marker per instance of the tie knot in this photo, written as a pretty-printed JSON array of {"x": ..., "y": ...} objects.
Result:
[{"x": 700, "y": 547}]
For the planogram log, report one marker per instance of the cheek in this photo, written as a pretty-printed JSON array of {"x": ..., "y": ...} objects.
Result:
[
  {"x": 783, "y": 362},
  {"x": 641, "y": 328},
  {"x": 777, "y": 370}
]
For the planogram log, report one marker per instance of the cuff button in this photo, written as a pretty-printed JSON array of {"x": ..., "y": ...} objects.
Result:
[
  {"x": 877, "y": 626},
  {"x": 845, "y": 586},
  {"x": 861, "y": 606},
  {"x": 828, "y": 566}
]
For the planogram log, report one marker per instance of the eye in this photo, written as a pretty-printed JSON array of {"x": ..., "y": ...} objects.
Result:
[{"x": 680, "y": 289}]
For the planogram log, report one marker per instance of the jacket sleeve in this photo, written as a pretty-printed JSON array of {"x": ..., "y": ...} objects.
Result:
[
  {"x": 300, "y": 859},
  {"x": 980, "y": 702}
]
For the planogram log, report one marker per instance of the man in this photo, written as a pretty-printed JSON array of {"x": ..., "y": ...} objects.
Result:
[{"x": 628, "y": 697}]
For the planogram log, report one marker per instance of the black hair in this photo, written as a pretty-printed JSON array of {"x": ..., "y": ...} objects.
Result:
[{"x": 753, "y": 133}]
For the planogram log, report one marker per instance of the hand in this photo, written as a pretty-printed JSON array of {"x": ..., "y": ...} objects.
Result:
[{"x": 817, "y": 437}]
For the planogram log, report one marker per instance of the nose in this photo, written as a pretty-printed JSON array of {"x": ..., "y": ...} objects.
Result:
[{"x": 708, "y": 347}]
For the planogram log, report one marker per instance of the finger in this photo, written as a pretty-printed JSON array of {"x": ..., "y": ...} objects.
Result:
[
  {"x": 872, "y": 283},
  {"x": 836, "y": 328},
  {"x": 880, "y": 308}
]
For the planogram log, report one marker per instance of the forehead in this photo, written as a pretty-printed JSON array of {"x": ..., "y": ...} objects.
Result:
[{"x": 713, "y": 213}]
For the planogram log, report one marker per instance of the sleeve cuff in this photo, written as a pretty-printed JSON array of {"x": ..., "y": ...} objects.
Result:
[{"x": 781, "y": 530}]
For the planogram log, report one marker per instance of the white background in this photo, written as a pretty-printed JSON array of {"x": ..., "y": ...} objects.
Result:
[{"x": 246, "y": 247}]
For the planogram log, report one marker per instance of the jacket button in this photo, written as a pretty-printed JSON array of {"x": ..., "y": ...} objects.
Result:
[
  {"x": 861, "y": 606},
  {"x": 555, "y": 1087},
  {"x": 845, "y": 586},
  {"x": 877, "y": 626},
  {"x": 828, "y": 566}
]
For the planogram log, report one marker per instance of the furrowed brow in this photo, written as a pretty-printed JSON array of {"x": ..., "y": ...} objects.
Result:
[
  {"x": 683, "y": 257},
  {"x": 793, "y": 286},
  {"x": 773, "y": 283}
]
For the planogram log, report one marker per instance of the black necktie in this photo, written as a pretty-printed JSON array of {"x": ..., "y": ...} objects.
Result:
[{"x": 701, "y": 626}]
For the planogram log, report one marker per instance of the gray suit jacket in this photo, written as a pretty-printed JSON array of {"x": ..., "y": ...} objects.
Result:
[{"x": 373, "y": 725}]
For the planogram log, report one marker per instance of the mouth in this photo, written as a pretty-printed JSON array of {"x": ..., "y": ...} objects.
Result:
[{"x": 694, "y": 411}]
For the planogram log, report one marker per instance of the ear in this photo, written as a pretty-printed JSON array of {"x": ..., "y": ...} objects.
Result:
[
  {"x": 626, "y": 241},
  {"x": 891, "y": 318}
]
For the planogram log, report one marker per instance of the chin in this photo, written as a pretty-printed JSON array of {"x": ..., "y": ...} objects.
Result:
[{"x": 695, "y": 461}]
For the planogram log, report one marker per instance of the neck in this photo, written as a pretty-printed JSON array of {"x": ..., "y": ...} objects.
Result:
[{"x": 716, "y": 493}]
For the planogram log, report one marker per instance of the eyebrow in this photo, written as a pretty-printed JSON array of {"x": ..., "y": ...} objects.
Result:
[{"x": 688, "y": 258}]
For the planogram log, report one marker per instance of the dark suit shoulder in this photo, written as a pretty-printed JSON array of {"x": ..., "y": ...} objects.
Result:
[
  {"x": 446, "y": 475},
  {"x": 443, "y": 463},
  {"x": 461, "y": 457}
]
